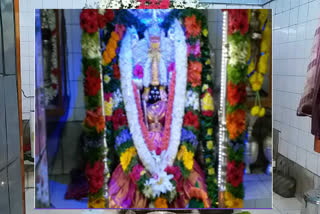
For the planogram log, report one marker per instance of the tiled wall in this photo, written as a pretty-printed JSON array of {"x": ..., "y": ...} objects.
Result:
[
  {"x": 73, "y": 54},
  {"x": 294, "y": 25}
]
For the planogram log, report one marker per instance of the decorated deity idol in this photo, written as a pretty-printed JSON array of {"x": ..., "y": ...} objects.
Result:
[{"x": 155, "y": 121}]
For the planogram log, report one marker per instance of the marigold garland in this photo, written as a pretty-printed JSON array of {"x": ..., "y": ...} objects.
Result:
[
  {"x": 257, "y": 71},
  {"x": 236, "y": 96}
]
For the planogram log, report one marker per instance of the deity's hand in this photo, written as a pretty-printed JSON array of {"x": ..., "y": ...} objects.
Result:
[{"x": 163, "y": 94}]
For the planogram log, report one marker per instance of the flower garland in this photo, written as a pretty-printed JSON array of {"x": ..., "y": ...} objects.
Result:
[
  {"x": 94, "y": 124},
  {"x": 256, "y": 71},
  {"x": 153, "y": 4},
  {"x": 236, "y": 97},
  {"x": 48, "y": 22}
]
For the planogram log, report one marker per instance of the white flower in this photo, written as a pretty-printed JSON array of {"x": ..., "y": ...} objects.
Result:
[
  {"x": 160, "y": 183},
  {"x": 192, "y": 100},
  {"x": 116, "y": 99},
  {"x": 101, "y": 11}
]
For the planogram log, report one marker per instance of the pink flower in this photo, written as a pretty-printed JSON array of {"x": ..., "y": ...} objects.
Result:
[
  {"x": 136, "y": 171},
  {"x": 172, "y": 67},
  {"x": 175, "y": 171},
  {"x": 194, "y": 49},
  {"x": 138, "y": 71},
  {"x": 155, "y": 176},
  {"x": 158, "y": 151},
  {"x": 107, "y": 96}
]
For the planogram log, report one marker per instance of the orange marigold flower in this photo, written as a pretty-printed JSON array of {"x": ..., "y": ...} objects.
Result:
[
  {"x": 161, "y": 203},
  {"x": 95, "y": 119},
  {"x": 194, "y": 73},
  {"x": 236, "y": 123},
  {"x": 193, "y": 27}
]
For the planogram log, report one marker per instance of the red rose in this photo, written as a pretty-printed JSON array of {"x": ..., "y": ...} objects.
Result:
[
  {"x": 236, "y": 93},
  {"x": 95, "y": 176},
  {"x": 116, "y": 71},
  {"x": 119, "y": 119},
  {"x": 55, "y": 71},
  {"x": 102, "y": 20},
  {"x": 207, "y": 113},
  {"x": 54, "y": 86},
  {"x": 191, "y": 119},
  {"x": 89, "y": 20},
  {"x": 109, "y": 15},
  {"x": 92, "y": 84},
  {"x": 235, "y": 173},
  {"x": 91, "y": 26}
]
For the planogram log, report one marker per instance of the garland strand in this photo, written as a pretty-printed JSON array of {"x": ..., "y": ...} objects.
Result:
[
  {"x": 236, "y": 97},
  {"x": 258, "y": 60},
  {"x": 94, "y": 124}
]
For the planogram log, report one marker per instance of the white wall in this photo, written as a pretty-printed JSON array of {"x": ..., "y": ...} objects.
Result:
[{"x": 294, "y": 25}]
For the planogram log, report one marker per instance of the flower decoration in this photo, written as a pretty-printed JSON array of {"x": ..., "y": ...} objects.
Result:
[
  {"x": 94, "y": 119},
  {"x": 110, "y": 51},
  {"x": 194, "y": 49},
  {"x": 236, "y": 97},
  {"x": 94, "y": 123},
  {"x": 238, "y": 21},
  {"x": 95, "y": 176},
  {"x": 191, "y": 119},
  {"x": 237, "y": 94},
  {"x": 138, "y": 71},
  {"x": 194, "y": 73},
  {"x": 257, "y": 71},
  {"x": 119, "y": 119},
  {"x": 116, "y": 71},
  {"x": 193, "y": 27},
  {"x": 161, "y": 202},
  {"x": 154, "y": 4},
  {"x": 126, "y": 157},
  {"x": 235, "y": 173}
]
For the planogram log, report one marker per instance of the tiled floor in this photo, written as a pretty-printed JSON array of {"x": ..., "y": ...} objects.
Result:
[
  {"x": 258, "y": 189},
  {"x": 281, "y": 206}
]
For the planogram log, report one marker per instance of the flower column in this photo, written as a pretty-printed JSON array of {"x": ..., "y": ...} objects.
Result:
[
  {"x": 236, "y": 97},
  {"x": 94, "y": 124}
]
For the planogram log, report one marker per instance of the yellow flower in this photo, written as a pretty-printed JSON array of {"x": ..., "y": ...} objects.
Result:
[
  {"x": 208, "y": 160},
  {"x": 188, "y": 160},
  {"x": 181, "y": 152},
  {"x": 262, "y": 112},
  {"x": 210, "y": 144},
  {"x": 208, "y": 77},
  {"x": 232, "y": 202},
  {"x": 251, "y": 67},
  {"x": 207, "y": 102},
  {"x": 96, "y": 202},
  {"x": 263, "y": 64},
  {"x": 126, "y": 157},
  {"x": 256, "y": 81},
  {"x": 255, "y": 110},
  {"x": 208, "y": 62},
  {"x": 205, "y": 87},
  {"x": 210, "y": 131},
  {"x": 108, "y": 107},
  {"x": 205, "y": 32},
  {"x": 211, "y": 171},
  {"x": 106, "y": 78}
]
